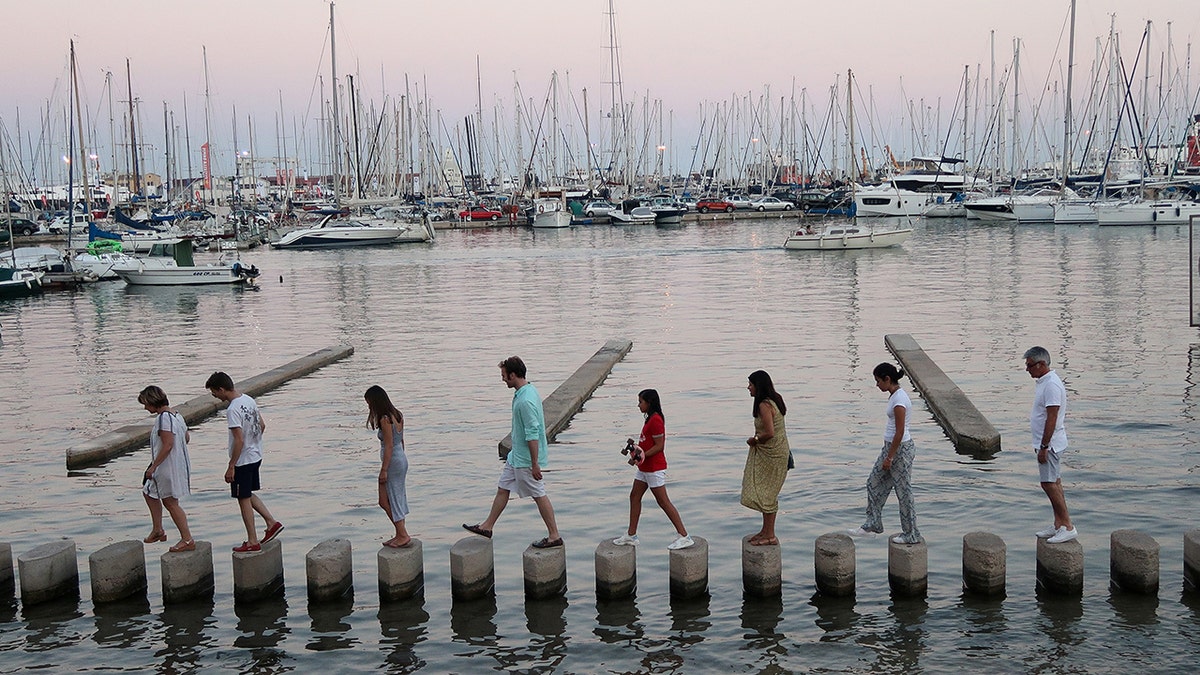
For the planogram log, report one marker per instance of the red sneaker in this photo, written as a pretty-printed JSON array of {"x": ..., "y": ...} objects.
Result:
[
  {"x": 272, "y": 532},
  {"x": 247, "y": 547}
]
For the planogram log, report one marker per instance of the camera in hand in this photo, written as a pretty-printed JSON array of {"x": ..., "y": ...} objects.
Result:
[{"x": 633, "y": 451}]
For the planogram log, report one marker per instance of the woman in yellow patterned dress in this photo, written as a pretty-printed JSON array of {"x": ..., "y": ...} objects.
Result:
[{"x": 767, "y": 460}]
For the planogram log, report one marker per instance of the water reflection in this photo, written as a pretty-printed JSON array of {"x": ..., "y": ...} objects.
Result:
[
  {"x": 901, "y": 645},
  {"x": 1059, "y": 620},
  {"x": 474, "y": 622},
  {"x": 121, "y": 624},
  {"x": 760, "y": 618},
  {"x": 184, "y": 626},
  {"x": 618, "y": 622},
  {"x": 8, "y": 610},
  {"x": 836, "y": 616},
  {"x": 986, "y": 625},
  {"x": 402, "y": 627},
  {"x": 330, "y": 617},
  {"x": 261, "y": 628},
  {"x": 546, "y": 620},
  {"x": 48, "y": 625},
  {"x": 689, "y": 621},
  {"x": 1134, "y": 610}
]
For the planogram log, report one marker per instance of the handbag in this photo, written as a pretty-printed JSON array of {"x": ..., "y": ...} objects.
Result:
[{"x": 791, "y": 461}]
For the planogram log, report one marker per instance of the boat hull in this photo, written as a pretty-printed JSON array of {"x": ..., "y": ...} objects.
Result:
[{"x": 847, "y": 241}]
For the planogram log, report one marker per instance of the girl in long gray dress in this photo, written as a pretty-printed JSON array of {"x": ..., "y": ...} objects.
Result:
[
  {"x": 393, "y": 469},
  {"x": 169, "y": 475}
]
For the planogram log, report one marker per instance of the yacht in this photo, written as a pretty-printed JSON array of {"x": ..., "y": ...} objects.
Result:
[{"x": 334, "y": 232}]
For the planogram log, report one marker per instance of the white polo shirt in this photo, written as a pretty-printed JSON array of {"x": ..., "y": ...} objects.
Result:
[{"x": 1050, "y": 391}]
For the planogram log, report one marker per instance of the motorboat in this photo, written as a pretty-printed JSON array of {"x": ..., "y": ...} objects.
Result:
[
  {"x": 666, "y": 210},
  {"x": 15, "y": 283},
  {"x": 844, "y": 236},
  {"x": 935, "y": 174},
  {"x": 101, "y": 257},
  {"x": 632, "y": 213},
  {"x": 889, "y": 200},
  {"x": 335, "y": 232},
  {"x": 170, "y": 263},
  {"x": 550, "y": 212},
  {"x": 1034, "y": 207}
]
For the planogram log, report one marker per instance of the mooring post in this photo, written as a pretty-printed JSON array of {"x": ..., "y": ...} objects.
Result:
[
  {"x": 616, "y": 571},
  {"x": 118, "y": 571}
]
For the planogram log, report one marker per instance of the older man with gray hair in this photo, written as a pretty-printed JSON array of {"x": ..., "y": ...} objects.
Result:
[{"x": 1047, "y": 423}]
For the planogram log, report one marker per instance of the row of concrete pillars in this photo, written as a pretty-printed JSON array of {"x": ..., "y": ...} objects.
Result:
[{"x": 118, "y": 571}]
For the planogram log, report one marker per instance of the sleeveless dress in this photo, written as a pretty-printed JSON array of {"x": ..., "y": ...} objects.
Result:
[
  {"x": 766, "y": 466},
  {"x": 397, "y": 471},
  {"x": 172, "y": 478}
]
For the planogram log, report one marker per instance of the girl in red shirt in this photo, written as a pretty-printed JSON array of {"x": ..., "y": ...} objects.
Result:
[{"x": 652, "y": 473}]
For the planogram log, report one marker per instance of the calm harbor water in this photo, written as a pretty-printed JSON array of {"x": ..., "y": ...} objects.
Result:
[{"x": 704, "y": 305}]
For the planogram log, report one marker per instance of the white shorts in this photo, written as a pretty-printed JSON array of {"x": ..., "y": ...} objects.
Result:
[
  {"x": 520, "y": 481},
  {"x": 654, "y": 479},
  {"x": 1050, "y": 471}
]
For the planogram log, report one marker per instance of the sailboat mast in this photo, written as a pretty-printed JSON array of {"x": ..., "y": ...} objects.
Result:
[
  {"x": 1066, "y": 169},
  {"x": 137, "y": 173},
  {"x": 337, "y": 130}
]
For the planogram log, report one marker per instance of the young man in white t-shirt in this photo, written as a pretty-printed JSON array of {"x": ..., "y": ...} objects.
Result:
[
  {"x": 1047, "y": 425},
  {"x": 246, "y": 427}
]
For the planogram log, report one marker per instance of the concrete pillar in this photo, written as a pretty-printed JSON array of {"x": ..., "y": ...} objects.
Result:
[
  {"x": 1133, "y": 562},
  {"x": 762, "y": 569},
  {"x": 472, "y": 570},
  {"x": 49, "y": 572},
  {"x": 689, "y": 570},
  {"x": 7, "y": 581},
  {"x": 401, "y": 572},
  {"x": 616, "y": 571},
  {"x": 984, "y": 563},
  {"x": 1191, "y": 561},
  {"x": 1060, "y": 568},
  {"x": 833, "y": 559},
  {"x": 908, "y": 568},
  {"x": 545, "y": 571},
  {"x": 258, "y": 575},
  {"x": 188, "y": 575},
  {"x": 118, "y": 571},
  {"x": 329, "y": 569}
]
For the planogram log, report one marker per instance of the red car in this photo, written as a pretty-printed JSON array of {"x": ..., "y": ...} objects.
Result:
[
  {"x": 706, "y": 205},
  {"x": 479, "y": 212}
]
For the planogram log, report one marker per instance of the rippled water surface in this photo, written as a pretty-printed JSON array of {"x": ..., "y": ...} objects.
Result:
[{"x": 704, "y": 306}]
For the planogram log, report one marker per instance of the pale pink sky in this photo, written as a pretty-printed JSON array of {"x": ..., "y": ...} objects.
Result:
[{"x": 683, "y": 52}]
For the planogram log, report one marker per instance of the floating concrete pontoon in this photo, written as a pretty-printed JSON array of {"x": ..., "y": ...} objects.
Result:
[
  {"x": 561, "y": 405},
  {"x": 134, "y": 436},
  {"x": 1191, "y": 561},
  {"x": 968, "y": 429}
]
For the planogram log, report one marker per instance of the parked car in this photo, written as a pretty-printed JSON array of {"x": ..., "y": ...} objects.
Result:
[
  {"x": 599, "y": 209},
  {"x": 23, "y": 226},
  {"x": 706, "y": 204},
  {"x": 479, "y": 212},
  {"x": 740, "y": 202},
  {"x": 772, "y": 204}
]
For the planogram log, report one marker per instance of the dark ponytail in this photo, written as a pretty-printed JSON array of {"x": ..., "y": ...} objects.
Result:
[{"x": 888, "y": 371}]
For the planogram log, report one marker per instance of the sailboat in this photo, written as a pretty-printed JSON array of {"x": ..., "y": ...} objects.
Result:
[{"x": 841, "y": 235}]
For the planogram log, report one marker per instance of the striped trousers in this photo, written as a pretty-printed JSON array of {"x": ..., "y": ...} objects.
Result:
[{"x": 881, "y": 483}]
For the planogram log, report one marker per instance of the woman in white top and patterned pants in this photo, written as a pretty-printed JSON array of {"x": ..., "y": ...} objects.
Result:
[{"x": 893, "y": 469}]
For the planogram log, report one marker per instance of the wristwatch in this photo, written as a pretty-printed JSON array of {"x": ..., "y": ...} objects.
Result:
[{"x": 1044, "y": 447}]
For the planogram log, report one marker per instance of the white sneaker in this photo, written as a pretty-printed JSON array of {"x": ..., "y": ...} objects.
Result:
[
  {"x": 1046, "y": 533},
  {"x": 682, "y": 542},
  {"x": 860, "y": 532},
  {"x": 1063, "y": 535},
  {"x": 626, "y": 540},
  {"x": 906, "y": 539}
]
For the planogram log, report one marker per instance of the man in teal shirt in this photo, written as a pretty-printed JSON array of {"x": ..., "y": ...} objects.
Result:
[{"x": 523, "y": 466}]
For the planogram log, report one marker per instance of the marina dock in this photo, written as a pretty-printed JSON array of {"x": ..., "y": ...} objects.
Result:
[
  {"x": 133, "y": 436},
  {"x": 562, "y": 404},
  {"x": 968, "y": 429}
]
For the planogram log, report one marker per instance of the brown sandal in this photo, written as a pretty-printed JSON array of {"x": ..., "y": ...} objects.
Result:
[
  {"x": 189, "y": 545},
  {"x": 161, "y": 535}
]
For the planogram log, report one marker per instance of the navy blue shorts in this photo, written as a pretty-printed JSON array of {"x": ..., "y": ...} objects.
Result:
[{"x": 245, "y": 480}]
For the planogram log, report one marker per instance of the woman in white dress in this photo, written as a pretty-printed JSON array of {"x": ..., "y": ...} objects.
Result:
[{"x": 170, "y": 472}]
